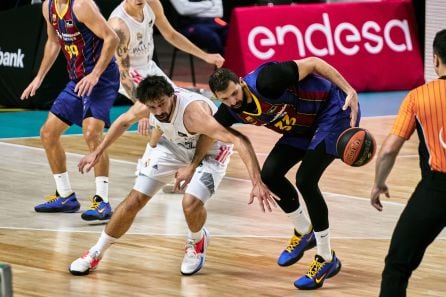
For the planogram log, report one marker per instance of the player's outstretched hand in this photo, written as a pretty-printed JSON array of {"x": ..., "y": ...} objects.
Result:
[
  {"x": 143, "y": 126},
  {"x": 183, "y": 177},
  {"x": 88, "y": 162},
  {"x": 374, "y": 196},
  {"x": 86, "y": 85},
  {"x": 352, "y": 101},
  {"x": 265, "y": 197},
  {"x": 31, "y": 88}
]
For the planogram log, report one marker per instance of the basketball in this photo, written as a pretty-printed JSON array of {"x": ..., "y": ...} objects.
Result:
[{"x": 356, "y": 146}]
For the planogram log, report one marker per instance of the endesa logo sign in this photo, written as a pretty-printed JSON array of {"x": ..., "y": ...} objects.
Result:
[
  {"x": 344, "y": 38},
  {"x": 366, "y": 41}
]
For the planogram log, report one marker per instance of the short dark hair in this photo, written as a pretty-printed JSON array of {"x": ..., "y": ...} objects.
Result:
[
  {"x": 152, "y": 88},
  {"x": 440, "y": 45},
  {"x": 219, "y": 80}
]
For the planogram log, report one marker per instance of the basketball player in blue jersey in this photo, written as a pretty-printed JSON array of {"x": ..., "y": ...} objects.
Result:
[
  {"x": 310, "y": 110},
  {"x": 88, "y": 44}
]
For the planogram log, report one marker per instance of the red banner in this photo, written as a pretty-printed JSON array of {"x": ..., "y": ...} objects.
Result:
[{"x": 372, "y": 44}]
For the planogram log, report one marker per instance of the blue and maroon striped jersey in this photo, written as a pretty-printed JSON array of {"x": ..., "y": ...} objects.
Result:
[
  {"x": 79, "y": 44},
  {"x": 296, "y": 111}
]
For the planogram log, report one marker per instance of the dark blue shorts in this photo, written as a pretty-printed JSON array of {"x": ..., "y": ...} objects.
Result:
[
  {"x": 73, "y": 109},
  {"x": 330, "y": 123}
]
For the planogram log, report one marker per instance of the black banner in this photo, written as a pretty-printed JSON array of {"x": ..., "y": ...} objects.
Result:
[{"x": 21, "y": 51}]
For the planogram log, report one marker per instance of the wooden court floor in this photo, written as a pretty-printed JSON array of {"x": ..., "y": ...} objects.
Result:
[{"x": 245, "y": 242}]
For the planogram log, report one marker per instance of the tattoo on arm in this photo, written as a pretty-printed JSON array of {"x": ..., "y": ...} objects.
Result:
[{"x": 123, "y": 59}]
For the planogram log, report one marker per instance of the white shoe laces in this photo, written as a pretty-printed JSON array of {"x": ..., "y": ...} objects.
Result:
[{"x": 190, "y": 249}]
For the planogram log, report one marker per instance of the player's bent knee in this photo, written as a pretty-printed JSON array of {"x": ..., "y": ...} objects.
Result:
[
  {"x": 191, "y": 204},
  {"x": 135, "y": 201},
  {"x": 92, "y": 136},
  {"x": 47, "y": 135}
]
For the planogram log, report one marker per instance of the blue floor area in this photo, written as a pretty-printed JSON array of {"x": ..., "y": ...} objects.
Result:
[
  {"x": 28, "y": 123},
  {"x": 381, "y": 104}
]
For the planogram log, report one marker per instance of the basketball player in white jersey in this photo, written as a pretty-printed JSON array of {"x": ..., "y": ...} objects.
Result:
[
  {"x": 133, "y": 21},
  {"x": 181, "y": 116}
]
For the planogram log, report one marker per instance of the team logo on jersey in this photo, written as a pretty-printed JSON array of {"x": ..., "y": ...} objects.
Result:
[
  {"x": 138, "y": 36},
  {"x": 69, "y": 23},
  {"x": 440, "y": 136}
]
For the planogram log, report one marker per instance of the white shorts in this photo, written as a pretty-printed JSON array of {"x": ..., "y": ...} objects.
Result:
[{"x": 163, "y": 163}]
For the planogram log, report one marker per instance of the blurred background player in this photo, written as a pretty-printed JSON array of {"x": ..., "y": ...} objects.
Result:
[
  {"x": 88, "y": 44},
  {"x": 134, "y": 21},
  {"x": 202, "y": 23}
]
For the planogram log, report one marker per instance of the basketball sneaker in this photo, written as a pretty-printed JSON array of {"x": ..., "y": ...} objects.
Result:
[
  {"x": 319, "y": 271},
  {"x": 195, "y": 254},
  {"x": 99, "y": 210},
  {"x": 56, "y": 203},
  {"x": 295, "y": 250},
  {"x": 85, "y": 264}
]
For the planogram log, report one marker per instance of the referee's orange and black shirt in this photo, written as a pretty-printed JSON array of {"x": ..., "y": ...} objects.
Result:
[{"x": 424, "y": 109}]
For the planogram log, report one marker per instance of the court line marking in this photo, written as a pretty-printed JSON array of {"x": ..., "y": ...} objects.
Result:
[
  {"x": 134, "y": 163},
  {"x": 226, "y": 177},
  {"x": 68, "y": 228},
  {"x": 182, "y": 235}
]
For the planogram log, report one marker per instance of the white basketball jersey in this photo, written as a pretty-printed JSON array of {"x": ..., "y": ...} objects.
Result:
[
  {"x": 140, "y": 46},
  {"x": 176, "y": 137}
]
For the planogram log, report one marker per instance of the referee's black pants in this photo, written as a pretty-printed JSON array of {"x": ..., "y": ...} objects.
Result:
[{"x": 422, "y": 220}]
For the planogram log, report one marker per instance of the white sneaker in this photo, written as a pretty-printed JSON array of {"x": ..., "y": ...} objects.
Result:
[
  {"x": 195, "y": 254},
  {"x": 86, "y": 263}
]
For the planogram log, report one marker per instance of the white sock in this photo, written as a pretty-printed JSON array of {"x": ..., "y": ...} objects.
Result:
[
  {"x": 196, "y": 236},
  {"x": 323, "y": 244},
  {"x": 104, "y": 242},
  {"x": 300, "y": 221},
  {"x": 63, "y": 185},
  {"x": 102, "y": 187}
]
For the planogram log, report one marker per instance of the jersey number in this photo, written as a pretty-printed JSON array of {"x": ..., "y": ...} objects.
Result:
[
  {"x": 286, "y": 123},
  {"x": 71, "y": 50}
]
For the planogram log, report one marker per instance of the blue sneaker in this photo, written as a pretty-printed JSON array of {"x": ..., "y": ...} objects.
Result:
[
  {"x": 57, "y": 203},
  {"x": 318, "y": 272},
  {"x": 99, "y": 210},
  {"x": 295, "y": 250}
]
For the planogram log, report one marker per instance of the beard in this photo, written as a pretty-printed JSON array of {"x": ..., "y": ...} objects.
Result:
[
  {"x": 245, "y": 106},
  {"x": 163, "y": 118}
]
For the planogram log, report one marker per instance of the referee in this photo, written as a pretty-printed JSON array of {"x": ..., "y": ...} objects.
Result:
[{"x": 424, "y": 110}]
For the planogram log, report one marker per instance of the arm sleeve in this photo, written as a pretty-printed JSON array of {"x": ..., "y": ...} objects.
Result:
[
  {"x": 405, "y": 122},
  {"x": 225, "y": 117},
  {"x": 275, "y": 78}
]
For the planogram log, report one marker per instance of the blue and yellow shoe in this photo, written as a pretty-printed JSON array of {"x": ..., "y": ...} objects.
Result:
[
  {"x": 295, "y": 250},
  {"x": 99, "y": 210},
  {"x": 57, "y": 203},
  {"x": 319, "y": 271}
]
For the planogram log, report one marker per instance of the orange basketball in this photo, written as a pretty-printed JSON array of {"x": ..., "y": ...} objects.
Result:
[{"x": 356, "y": 146}]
